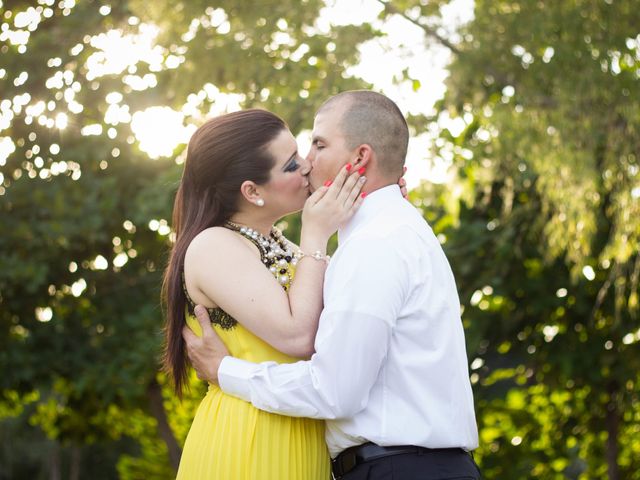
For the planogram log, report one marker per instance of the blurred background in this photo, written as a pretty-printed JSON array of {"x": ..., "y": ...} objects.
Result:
[{"x": 525, "y": 120}]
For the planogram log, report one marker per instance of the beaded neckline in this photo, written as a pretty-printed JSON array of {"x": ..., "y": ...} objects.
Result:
[{"x": 276, "y": 254}]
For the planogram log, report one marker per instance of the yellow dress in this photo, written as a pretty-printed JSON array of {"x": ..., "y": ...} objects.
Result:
[{"x": 230, "y": 439}]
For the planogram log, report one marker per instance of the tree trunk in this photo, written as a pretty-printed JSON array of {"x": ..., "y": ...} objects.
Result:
[
  {"x": 612, "y": 421},
  {"x": 154, "y": 393},
  {"x": 55, "y": 468},
  {"x": 74, "y": 467}
]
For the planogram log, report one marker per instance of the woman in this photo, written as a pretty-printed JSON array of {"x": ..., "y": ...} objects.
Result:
[{"x": 242, "y": 173}]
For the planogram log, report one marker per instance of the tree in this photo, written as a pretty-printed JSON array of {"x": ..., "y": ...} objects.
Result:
[
  {"x": 84, "y": 207},
  {"x": 542, "y": 227}
]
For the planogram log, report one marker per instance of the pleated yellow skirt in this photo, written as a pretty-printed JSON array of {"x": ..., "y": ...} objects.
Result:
[{"x": 230, "y": 439}]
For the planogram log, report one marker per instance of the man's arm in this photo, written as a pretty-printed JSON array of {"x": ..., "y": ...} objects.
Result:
[
  {"x": 363, "y": 302},
  {"x": 335, "y": 383}
]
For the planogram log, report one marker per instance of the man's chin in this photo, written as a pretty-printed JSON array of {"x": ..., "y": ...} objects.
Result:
[{"x": 315, "y": 184}]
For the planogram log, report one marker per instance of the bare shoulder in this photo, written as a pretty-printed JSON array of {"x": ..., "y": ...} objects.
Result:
[
  {"x": 215, "y": 243},
  {"x": 212, "y": 236},
  {"x": 209, "y": 257}
]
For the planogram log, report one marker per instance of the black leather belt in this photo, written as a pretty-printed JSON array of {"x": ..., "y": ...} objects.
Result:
[{"x": 354, "y": 456}]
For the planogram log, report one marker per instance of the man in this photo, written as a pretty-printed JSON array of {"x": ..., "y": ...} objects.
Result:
[{"x": 390, "y": 371}]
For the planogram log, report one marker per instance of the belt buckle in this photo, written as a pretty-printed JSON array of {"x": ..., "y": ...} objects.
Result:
[{"x": 344, "y": 463}]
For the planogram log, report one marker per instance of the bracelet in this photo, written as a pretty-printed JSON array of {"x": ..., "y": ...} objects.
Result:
[{"x": 317, "y": 255}]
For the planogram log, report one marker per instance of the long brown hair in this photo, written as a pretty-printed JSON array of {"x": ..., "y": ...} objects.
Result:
[{"x": 222, "y": 153}]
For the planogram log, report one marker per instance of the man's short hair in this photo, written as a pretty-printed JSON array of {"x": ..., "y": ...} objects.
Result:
[{"x": 373, "y": 119}]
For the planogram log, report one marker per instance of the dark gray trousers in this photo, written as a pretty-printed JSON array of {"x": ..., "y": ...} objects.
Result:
[{"x": 437, "y": 465}]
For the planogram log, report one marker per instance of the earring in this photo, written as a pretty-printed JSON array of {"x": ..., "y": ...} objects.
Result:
[{"x": 260, "y": 202}]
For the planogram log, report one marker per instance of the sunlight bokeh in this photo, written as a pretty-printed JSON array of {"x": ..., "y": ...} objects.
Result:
[
  {"x": 117, "y": 51},
  {"x": 160, "y": 130}
]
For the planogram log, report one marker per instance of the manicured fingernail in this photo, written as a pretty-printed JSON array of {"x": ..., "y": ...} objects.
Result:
[
  {"x": 198, "y": 310},
  {"x": 363, "y": 194},
  {"x": 348, "y": 167},
  {"x": 362, "y": 170},
  {"x": 362, "y": 179},
  {"x": 328, "y": 183},
  {"x": 404, "y": 169}
]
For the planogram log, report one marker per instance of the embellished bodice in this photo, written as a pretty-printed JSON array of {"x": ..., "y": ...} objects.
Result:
[
  {"x": 241, "y": 342},
  {"x": 217, "y": 315},
  {"x": 276, "y": 253}
]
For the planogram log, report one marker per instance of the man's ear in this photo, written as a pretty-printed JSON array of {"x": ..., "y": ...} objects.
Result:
[
  {"x": 364, "y": 153},
  {"x": 249, "y": 190}
]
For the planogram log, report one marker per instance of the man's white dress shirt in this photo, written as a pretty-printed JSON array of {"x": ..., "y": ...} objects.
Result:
[{"x": 390, "y": 365}]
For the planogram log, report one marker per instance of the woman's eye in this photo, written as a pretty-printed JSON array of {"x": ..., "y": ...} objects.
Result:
[{"x": 292, "y": 166}]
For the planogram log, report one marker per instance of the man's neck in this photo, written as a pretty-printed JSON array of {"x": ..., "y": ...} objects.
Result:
[
  {"x": 374, "y": 183},
  {"x": 380, "y": 199}
]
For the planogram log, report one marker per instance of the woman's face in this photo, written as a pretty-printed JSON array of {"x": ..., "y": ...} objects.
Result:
[{"x": 288, "y": 187}]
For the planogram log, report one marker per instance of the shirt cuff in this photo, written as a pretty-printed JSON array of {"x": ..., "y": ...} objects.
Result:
[{"x": 234, "y": 375}]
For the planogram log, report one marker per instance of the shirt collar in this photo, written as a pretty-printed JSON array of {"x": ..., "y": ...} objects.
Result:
[{"x": 373, "y": 204}]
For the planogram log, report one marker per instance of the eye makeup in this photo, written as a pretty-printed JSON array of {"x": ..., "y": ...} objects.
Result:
[{"x": 292, "y": 164}]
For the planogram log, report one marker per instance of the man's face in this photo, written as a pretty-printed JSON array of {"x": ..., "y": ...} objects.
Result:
[{"x": 328, "y": 151}]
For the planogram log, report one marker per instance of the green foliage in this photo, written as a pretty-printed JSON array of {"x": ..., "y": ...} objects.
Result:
[
  {"x": 553, "y": 88},
  {"x": 85, "y": 215},
  {"x": 540, "y": 222},
  {"x": 541, "y": 226}
]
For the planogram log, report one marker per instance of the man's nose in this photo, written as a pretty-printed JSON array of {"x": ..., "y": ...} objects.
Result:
[{"x": 307, "y": 165}]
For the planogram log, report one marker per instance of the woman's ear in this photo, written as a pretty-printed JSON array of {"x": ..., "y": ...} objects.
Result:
[{"x": 249, "y": 190}]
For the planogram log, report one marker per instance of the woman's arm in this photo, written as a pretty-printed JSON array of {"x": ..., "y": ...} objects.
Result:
[{"x": 226, "y": 270}]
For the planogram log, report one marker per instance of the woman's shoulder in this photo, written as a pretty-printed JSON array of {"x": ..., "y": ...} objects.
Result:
[
  {"x": 215, "y": 242},
  {"x": 213, "y": 234}
]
